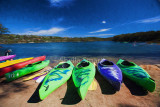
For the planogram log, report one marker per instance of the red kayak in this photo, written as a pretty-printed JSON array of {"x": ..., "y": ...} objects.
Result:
[{"x": 20, "y": 65}]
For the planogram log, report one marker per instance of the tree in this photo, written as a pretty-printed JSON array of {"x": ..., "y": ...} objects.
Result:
[{"x": 3, "y": 29}]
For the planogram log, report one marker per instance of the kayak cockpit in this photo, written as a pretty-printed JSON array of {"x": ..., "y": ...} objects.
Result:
[
  {"x": 64, "y": 65},
  {"x": 83, "y": 64},
  {"x": 127, "y": 63},
  {"x": 106, "y": 63}
]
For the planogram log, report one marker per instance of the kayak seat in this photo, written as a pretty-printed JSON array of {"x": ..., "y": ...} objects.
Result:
[
  {"x": 39, "y": 62},
  {"x": 83, "y": 64},
  {"x": 106, "y": 63},
  {"x": 64, "y": 65},
  {"x": 127, "y": 63},
  {"x": 30, "y": 65}
]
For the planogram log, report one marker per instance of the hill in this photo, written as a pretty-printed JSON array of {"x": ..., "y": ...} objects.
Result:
[
  {"x": 151, "y": 36},
  {"x": 12, "y": 38}
]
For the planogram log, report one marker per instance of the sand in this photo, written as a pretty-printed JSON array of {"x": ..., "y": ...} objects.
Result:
[{"x": 25, "y": 94}]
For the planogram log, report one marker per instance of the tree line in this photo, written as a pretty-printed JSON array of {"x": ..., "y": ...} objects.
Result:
[
  {"x": 3, "y": 29},
  {"x": 13, "y": 38},
  {"x": 150, "y": 36}
]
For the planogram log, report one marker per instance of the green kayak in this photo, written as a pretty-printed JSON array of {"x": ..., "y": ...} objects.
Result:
[
  {"x": 83, "y": 75},
  {"x": 26, "y": 70},
  {"x": 55, "y": 78},
  {"x": 137, "y": 74}
]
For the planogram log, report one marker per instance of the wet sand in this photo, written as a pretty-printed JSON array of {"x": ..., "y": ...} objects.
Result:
[
  {"x": 140, "y": 60},
  {"x": 25, "y": 94}
]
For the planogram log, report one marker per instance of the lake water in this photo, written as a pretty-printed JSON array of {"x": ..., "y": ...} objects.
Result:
[{"x": 85, "y": 49}]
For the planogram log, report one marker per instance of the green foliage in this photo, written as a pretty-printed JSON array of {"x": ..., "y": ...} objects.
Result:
[
  {"x": 3, "y": 30},
  {"x": 153, "y": 36},
  {"x": 12, "y": 38}
]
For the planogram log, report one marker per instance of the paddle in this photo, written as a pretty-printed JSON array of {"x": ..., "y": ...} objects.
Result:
[
  {"x": 93, "y": 85},
  {"x": 38, "y": 74},
  {"x": 40, "y": 79}
]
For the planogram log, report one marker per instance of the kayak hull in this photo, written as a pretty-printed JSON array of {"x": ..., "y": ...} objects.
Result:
[
  {"x": 83, "y": 77},
  {"x": 54, "y": 79},
  {"x": 20, "y": 65},
  {"x": 3, "y": 58},
  {"x": 9, "y": 63},
  {"x": 27, "y": 70},
  {"x": 111, "y": 73},
  {"x": 3, "y": 71},
  {"x": 137, "y": 75}
]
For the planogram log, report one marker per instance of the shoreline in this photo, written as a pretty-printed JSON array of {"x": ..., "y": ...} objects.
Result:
[
  {"x": 77, "y": 59},
  {"x": 147, "y": 42},
  {"x": 55, "y": 42},
  {"x": 26, "y": 93}
]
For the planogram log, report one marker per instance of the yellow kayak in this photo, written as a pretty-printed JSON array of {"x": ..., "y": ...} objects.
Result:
[{"x": 8, "y": 63}]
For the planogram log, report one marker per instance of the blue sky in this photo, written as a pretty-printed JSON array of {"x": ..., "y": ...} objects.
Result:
[{"x": 80, "y": 18}]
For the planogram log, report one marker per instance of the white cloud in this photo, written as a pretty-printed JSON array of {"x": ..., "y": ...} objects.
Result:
[
  {"x": 50, "y": 31},
  {"x": 103, "y": 22},
  {"x": 144, "y": 21},
  {"x": 60, "y": 3},
  {"x": 101, "y": 30},
  {"x": 100, "y": 35},
  {"x": 149, "y": 20}
]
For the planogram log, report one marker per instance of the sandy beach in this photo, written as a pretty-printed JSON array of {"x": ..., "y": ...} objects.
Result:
[
  {"x": 57, "y": 31},
  {"x": 25, "y": 94}
]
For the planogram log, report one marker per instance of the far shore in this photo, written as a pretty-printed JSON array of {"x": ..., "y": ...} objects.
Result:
[
  {"x": 148, "y": 37},
  {"x": 147, "y": 42}
]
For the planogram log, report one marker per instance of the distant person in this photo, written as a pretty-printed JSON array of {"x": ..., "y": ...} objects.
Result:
[
  {"x": 8, "y": 52},
  {"x": 134, "y": 44}
]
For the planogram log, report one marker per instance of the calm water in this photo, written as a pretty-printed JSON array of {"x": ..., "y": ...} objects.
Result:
[{"x": 87, "y": 49}]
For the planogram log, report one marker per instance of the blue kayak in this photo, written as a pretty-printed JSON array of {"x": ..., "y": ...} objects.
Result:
[{"x": 111, "y": 72}]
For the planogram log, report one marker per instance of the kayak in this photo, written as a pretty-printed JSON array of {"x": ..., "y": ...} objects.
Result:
[
  {"x": 137, "y": 74},
  {"x": 8, "y": 63},
  {"x": 3, "y": 58},
  {"x": 26, "y": 70},
  {"x": 20, "y": 65},
  {"x": 83, "y": 75},
  {"x": 111, "y": 72},
  {"x": 55, "y": 78}
]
